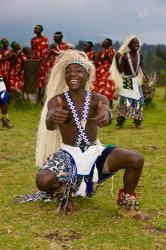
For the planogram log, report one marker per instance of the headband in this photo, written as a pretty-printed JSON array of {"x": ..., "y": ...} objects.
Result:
[
  {"x": 77, "y": 61},
  {"x": 58, "y": 34}
]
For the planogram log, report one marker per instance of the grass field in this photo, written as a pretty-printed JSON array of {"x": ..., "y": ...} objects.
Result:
[{"x": 95, "y": 224}]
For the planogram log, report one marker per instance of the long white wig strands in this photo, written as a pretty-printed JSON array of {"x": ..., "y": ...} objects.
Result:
[
  {"x": 116, "y": 76},
  {"x": 49, "y": 142}
]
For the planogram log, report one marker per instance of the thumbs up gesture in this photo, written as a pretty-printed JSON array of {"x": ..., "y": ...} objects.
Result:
[
  {"x": 60, "y": 114},
  {"x": 103, "y": 115},
  {"x": 56, "y": 113}
]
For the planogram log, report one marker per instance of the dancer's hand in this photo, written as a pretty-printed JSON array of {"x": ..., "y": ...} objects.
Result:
[
  {"x": 57, "y": 114},
  {"x": 118, "y": 55},
  {"x": 60, "y": 115},
  {"x": 102, "y": 118}
]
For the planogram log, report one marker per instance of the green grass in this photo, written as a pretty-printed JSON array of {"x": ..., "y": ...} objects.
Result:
[{"x": 95, "y": 224}]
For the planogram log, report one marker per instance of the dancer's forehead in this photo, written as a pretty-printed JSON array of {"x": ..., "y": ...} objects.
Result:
[
  {"x": 76, "y": 66},
  {"x": 78, "y": 63},
  {"x": 134, "y": 40}
]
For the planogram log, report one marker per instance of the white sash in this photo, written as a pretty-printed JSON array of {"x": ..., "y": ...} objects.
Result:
[
  {"x": 132, "y": 93},
  {"x": 84, "y": 160}
]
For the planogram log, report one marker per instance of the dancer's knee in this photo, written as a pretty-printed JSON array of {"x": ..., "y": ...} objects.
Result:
[{"x": 136, "y": 160}]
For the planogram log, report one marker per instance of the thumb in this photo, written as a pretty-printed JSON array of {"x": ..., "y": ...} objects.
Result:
[
  {"x": 59, "y": 102},
  {"x": 99, "y": 107}
]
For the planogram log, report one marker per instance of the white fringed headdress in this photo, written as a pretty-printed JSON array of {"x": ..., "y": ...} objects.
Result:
[
  {"x": 49, "y": 142},
  {"x": 116, "y": 76}
]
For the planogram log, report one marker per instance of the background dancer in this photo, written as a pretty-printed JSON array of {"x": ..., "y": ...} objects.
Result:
[
  {"x": 88, "y": 49},
  {"x": 127, "y": 73},
  {"x": 39, "y": 48},
  {"x": 58, "y": 46},
  {"x": 103, "y": 83},
  {"x": 5, "y": 64},
  {"x": 4, "y": 71}
]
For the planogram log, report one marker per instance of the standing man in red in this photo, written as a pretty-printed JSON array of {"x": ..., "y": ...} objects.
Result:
[
  {"x": 58, "y": 46},
  {"x": 17, "y": 72},
  {"x": 89, "y": 51},
  {"x": 5, "y": 65},
  {"x": 39, "y": 47},
  {"x": 103, "y": 84}
]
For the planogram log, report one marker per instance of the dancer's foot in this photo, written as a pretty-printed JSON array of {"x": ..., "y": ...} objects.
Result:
[
  {"x": 129, "y": 206},
  {"x": 6, "y": 123},
  {"x": 132, "y": 213}
]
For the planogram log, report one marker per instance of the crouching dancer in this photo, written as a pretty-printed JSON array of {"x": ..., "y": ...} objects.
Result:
[{"x": 68, "y": 150}]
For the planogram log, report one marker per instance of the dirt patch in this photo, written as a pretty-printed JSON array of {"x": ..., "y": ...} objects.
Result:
[
  {"x": 153, "y": 147},
  {"x": 66, "y": 235},
  {"x": 5, "y": 157},
  {"x": 61, "y": 239},
  {"x": 159, "y": 234},
  {"x": 158, "y": 212},
  {"x": 156, "y": 230}
]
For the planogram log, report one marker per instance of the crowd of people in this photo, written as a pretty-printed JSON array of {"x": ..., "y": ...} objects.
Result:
[
  {"x": 127, "y": 62},
  {"x": 79, "y": 95},
  {"x": 12, "y": 63}
]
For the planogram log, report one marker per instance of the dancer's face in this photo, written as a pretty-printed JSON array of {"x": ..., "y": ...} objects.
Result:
[
  {"x": 37, "y": 30},
  {"x": 87, "y": 47},
  {"x": 76, "y": 76},
  {"x": 5, "y": 43},
  {"x": 58, "y": 38},
  {"x": 134, "y": 44}
]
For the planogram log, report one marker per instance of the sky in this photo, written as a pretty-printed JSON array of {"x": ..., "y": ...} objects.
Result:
[{"x": 91, "y": 20}]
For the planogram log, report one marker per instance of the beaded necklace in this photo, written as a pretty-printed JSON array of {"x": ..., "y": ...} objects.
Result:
[
  {"x": 64, "y": 199},
  {"x": 80, "y": 123},
  {"x": 131, "y": 64}
]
